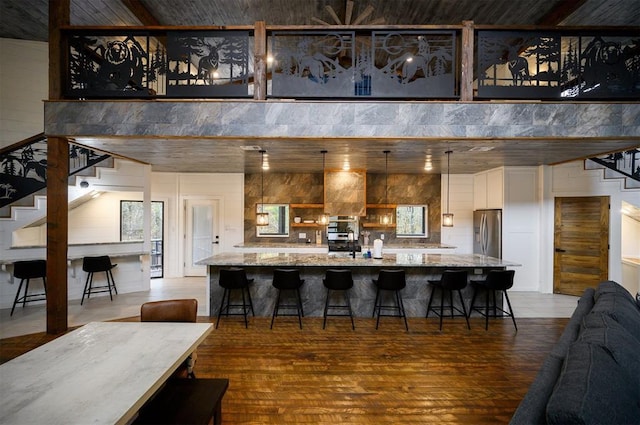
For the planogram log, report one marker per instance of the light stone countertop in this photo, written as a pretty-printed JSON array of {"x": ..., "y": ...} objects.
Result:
[
  {"x": 343, "y": 260},
  {"x": 313, "y": 245},
  {"x": 101, "y": 373}
]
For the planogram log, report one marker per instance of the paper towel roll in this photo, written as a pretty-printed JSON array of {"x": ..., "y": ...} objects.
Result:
[{"x": 377, "y": 248}]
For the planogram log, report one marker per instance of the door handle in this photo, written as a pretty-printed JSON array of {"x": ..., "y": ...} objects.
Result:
[
  {"x": 560, "y": 250},
  {"x": 216, "y": 243}
]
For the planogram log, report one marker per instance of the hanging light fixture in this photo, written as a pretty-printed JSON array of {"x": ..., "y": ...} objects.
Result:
[
  {"x": 447, "y": 218},
  {"x": 324, "y": 217},
  {"x": 262, "y": 217},
  {"x": 386, "y": 218}
]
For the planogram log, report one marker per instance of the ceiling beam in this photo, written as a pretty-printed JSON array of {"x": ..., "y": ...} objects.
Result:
[
  {"x": 562, "y": 11},
  {"x": 141, "y": 12}
]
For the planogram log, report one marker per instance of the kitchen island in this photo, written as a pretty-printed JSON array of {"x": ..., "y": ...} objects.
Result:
[{"x": 418, "y": 267}]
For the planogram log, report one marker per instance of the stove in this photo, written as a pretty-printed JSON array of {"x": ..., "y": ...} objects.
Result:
[{"x": 344, "y": 246}]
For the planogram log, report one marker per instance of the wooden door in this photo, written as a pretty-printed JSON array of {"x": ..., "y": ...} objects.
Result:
[{"x": 581, "y": 241}]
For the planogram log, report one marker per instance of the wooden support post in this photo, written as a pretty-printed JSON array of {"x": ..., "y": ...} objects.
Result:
[
  {"x": 260, "y": 66},
  {"x": 57, "y": 181},
  {"x": 466, "y": 75},
  {"x": 57, "y": 234}
]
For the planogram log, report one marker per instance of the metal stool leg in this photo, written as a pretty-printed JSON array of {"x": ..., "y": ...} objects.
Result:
[{"x": 15, "y": 301}]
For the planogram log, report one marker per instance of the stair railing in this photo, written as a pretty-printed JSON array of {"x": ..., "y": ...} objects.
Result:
[
  {"x": 23, "y": 167},
  {"x": 626, "y": 163}
]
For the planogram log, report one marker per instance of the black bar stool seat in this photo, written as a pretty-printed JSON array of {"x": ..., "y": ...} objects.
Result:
[
  {"x": 288, "y": 280},
  {"x": 496, "y": 281},
  {"x": 25, "y": 271},
  {"x": 98, "y": 264},
  {"x": 234, "y": 279},
  {"x": 338, "y": 280},
  {"x": 390, "y": 281},
  {"x": 450, "y": 281}
]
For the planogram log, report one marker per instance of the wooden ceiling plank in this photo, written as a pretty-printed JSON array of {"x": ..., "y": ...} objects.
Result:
[
  {"x": 141, "y": 12},
  {"x": 562, "y": 11}
]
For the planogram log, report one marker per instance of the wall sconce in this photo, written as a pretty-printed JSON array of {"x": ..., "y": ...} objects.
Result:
[
  {"x": 447, "y": 218},
  {"x": 324, "y": 217},
  {"x": 262, "y": 218},
  {"x": 386, "y": 218}
]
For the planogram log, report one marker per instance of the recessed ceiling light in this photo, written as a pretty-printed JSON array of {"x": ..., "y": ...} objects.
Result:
[{"x": 481, "y": 149}]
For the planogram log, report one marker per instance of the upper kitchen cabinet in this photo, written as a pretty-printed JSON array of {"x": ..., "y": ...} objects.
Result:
[
  {"x": 488, "y": 189},
  {"x": 345, "y": 192}
]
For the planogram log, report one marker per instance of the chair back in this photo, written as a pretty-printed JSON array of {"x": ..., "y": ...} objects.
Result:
[
  {"x": 454, "y": 279},
  {"x": 338, "y": 279},
  {"x": 96, "y": 264},
  {"x": 30, "y": 269},
  {"x": 233, "y": 278},
  {"x": 500, "y": 279},
  {"x": 183, "y": 310},
  {"x": 286, "y": 279},
  {"x": 393, "y": 280}
]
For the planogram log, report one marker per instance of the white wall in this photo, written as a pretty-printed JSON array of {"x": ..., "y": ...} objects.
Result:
[
  {"x": 175, "y": 188},
  {"x": 461, "y": 205},
  {"x": 630, "y": 237},
  {"x": 23, "y": 87},
  {"x": 521, "y": 225},
  {"x": 572, "y": 179}
]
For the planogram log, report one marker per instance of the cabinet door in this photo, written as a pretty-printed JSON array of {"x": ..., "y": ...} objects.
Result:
[
  {"x": 495, "y": 188},
  {"x": 480, "y": 191}
]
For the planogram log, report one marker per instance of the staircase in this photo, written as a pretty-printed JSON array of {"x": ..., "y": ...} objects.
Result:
[
  {"x": 620, "y": 165},
  {"x": 23, "y": 171}
]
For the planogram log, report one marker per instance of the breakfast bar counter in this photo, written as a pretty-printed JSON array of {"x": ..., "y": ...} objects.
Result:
[{"x": 418, "y": 268}]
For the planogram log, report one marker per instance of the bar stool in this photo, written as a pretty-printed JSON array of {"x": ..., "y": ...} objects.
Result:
[
  {"x": 390, "y": 280},
  {"x": 93, "y": 265},
  {"x": 234, "y": 279},
  {"x": 27, "y": 270},
  {"x": 288, "y": 280},
  {"x": 496, "y": 281},
  {"x": 450, "y": 281},
  {"x": 338, "y": 280}
]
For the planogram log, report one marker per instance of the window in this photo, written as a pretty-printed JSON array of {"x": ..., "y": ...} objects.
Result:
[
  {"x": 278, "y": 221},
  {"x": 411, "y": 221},
  {"x": 132, "y": 220}
]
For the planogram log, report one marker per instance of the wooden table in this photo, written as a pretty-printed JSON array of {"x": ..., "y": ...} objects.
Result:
[{"x": 101, "y": 373}]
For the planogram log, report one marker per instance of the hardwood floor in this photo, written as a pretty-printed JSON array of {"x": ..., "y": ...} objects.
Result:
[{"x": 367, "y": 376}]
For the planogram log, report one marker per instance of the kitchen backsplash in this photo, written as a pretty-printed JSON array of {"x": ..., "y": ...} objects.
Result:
[{"x": 301, "y": 188}]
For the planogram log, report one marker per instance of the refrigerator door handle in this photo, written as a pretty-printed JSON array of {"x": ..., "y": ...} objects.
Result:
[{"x": 483, "y": 234}]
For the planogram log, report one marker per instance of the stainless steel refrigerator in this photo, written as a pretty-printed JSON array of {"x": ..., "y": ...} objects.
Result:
[{"x": 487, "y": 232}]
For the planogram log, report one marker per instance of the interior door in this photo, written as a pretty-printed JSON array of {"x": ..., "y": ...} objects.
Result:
[
  {"x": 201, "y": 235},
  {"x": 581, "y": 242}
]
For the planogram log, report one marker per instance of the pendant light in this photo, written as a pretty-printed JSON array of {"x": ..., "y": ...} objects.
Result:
[
  {"x": 324, "y": 217},
  {"x": 262, "y": 217},
  {"x": 447, "y": 218},
  {"x": 386, "y": 218}
]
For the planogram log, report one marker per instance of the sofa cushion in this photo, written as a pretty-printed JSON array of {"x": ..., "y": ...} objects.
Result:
[
  {"x": 594, "y": 388},
  {"x": 619, "y": 343},
  {"x": 611, "y": 287},
  {"x": 620, "y": 308},
  {"x": 573, "y": 327}
]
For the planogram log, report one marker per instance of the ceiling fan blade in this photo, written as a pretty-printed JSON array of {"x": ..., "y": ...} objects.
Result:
[
  {"x": 320, "y": 21},
  {"x": 348, "y": 12},
  {"x": 367, "y": 11},
  {"x": 333, "y": 14}
]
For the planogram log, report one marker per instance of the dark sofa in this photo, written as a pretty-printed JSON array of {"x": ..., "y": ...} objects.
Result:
[{"x": 592, "y": 375}]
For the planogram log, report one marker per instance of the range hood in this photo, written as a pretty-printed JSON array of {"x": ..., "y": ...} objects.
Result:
[{"x": 345, "y": 192}]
